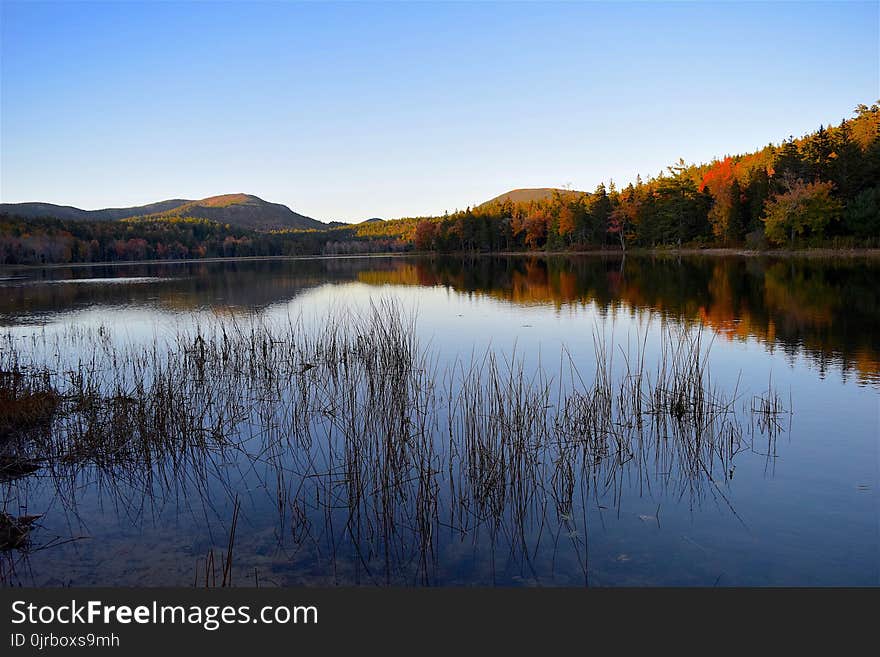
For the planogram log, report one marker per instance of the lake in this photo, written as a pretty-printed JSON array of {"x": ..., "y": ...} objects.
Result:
[{"x": 530, "y": 421}]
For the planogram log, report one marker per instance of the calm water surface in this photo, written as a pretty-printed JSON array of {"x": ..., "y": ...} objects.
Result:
[{"x": 797, "y": 506}]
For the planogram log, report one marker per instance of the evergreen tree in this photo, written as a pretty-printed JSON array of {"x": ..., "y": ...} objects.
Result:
[
  {"x": 844, "y": 171},
  {"x": 787, "y": 163},
  {"x": 600, "y": 212},
  {"x": 817, "y": 155},
  {"x": 756, "y": 194},
  {"x": 736, "y": 222}
]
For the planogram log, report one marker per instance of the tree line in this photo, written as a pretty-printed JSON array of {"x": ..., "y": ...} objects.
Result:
[{"x": 822, "y": 189}]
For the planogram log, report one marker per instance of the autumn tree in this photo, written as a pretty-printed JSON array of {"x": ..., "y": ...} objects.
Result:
[
  {"x": 719, "y": 181},
  {"x": 566, "y": 223},
  {"x": 803, "y": 208},
  {"x": 536, "y": 228},
  {"x": 425, "y": 235},
  {"x": 624, "y": 217}
]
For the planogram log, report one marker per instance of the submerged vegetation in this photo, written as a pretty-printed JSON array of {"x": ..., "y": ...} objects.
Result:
[{"x": 382, "y": 461}]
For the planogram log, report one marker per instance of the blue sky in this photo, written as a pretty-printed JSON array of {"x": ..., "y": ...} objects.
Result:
[{"x": 354, "y": 110}]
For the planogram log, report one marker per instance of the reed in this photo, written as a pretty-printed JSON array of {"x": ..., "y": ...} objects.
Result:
[{"x": 378, "y": 457}]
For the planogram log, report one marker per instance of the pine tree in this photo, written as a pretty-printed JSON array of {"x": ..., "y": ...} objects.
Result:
[
  {"x": 756, "y": 193},
  {"x": 817, "y": 154},
  {"x": 600, "y": 212},
  {"x": 787, "y": 163},
  {"x": 844, "y": 171},
  {"x": 736, "y": 222}
]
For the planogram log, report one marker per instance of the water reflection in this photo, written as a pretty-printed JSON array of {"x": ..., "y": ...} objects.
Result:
[
  {"x": 827, "y": 309},
  {"x": 574, "y": 491}
]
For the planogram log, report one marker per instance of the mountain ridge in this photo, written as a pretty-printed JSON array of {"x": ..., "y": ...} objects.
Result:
[{"x": 243, "y": 210}]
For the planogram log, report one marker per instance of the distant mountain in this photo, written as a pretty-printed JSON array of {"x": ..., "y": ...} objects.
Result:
[
  {"x": 372, "y": 220},
  {"x": 244, "y": 210},
  {"x": 530, "y": 194},
  {"x": 70, "y": 213}
]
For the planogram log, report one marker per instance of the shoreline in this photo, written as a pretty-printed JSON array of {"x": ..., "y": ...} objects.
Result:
[{"x": 821, "y": 252}]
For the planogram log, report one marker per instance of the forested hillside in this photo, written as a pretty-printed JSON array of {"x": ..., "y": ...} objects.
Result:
[
  {"x": 819, "y": 190},
  {"x": 241, "y": 210}
]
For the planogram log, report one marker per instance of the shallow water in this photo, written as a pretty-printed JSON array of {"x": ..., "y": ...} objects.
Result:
[{"x": 798, "y": 507}]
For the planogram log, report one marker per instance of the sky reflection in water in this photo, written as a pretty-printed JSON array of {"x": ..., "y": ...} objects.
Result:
[{"x": 805, "y": 515}]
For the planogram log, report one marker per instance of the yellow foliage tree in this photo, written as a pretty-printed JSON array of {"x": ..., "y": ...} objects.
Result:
[{"x": 802, "y": 208}]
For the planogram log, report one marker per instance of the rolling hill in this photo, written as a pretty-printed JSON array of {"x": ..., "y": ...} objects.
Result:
[
  {"x": 529, "y": 194},
  {"x": 244, "y": 210}
]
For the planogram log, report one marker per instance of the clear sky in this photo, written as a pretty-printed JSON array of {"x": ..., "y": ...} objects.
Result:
[{"x": 354, "y": 110}]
